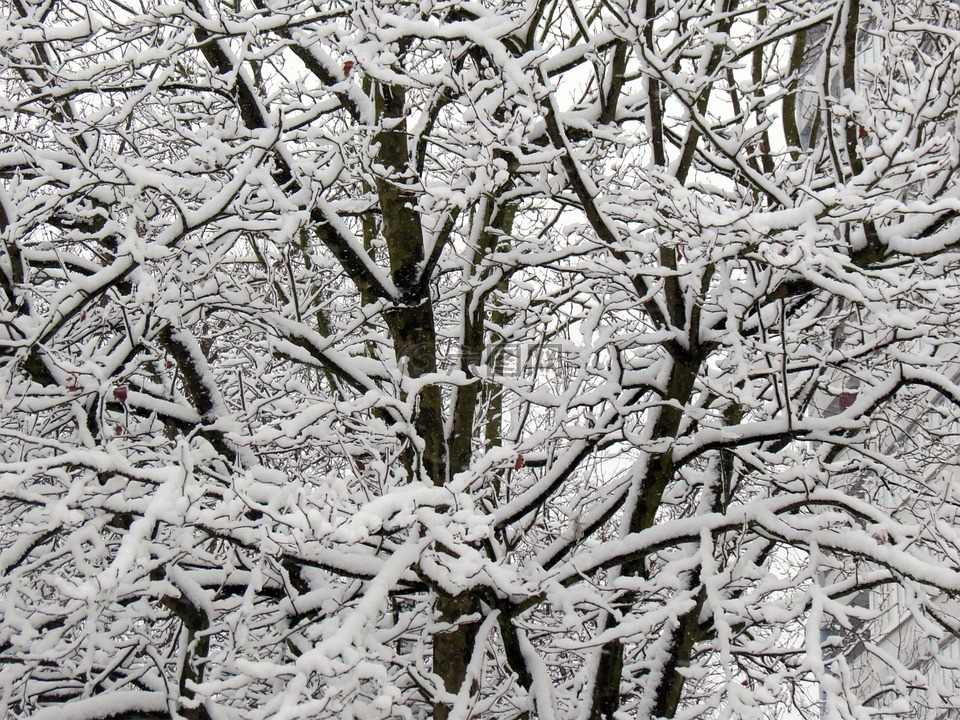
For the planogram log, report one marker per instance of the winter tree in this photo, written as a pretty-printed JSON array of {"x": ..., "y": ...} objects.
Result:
[{"x": 551, "y": 359}]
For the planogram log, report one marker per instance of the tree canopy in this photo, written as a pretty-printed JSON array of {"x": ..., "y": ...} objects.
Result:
[{"x": 573, "y": 359}]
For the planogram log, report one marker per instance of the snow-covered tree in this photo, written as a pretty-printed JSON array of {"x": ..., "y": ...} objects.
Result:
[{"x": 501, "y": 359}]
